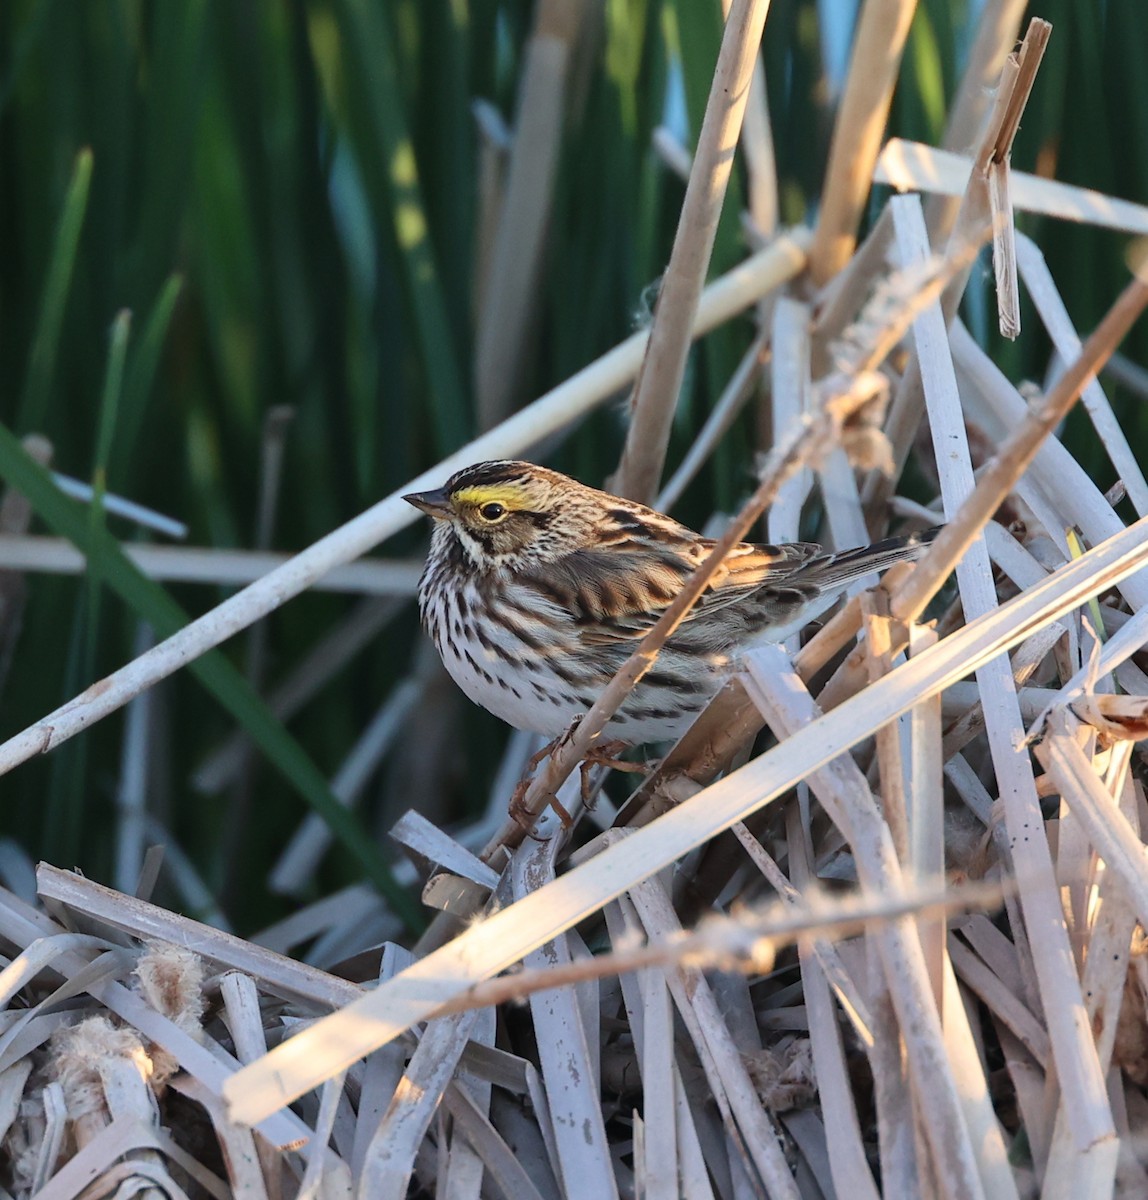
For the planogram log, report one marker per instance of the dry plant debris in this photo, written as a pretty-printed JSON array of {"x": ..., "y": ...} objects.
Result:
[{"x": 899, "y": 951}]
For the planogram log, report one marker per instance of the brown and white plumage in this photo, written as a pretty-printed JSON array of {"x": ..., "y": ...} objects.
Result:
[{"x": 537, "y": 589}]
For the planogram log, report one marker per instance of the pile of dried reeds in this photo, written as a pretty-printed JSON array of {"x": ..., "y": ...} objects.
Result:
[{"x": 896, "y": 953}]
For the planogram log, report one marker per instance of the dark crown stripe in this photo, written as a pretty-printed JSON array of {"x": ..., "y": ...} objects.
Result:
[{"x": 487, "y": 473}]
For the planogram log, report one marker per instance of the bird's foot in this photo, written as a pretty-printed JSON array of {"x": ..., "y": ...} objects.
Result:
[
  {"x": 605, "y": 754},
  {"x": 517, "y": 810}
]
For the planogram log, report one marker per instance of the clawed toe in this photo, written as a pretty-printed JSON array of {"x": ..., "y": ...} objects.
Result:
[{"x": 605, "y": 754}]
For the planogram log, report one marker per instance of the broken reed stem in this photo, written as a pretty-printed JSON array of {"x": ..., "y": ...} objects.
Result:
[
  {"x": 974, "y": 215},
  {"x": 997, "y": 177},
  {"x": 660, "y": 379},
  {"x": 1028, "y": 63},
  {"x": 1004, "y": 250},
  {"x": 1012, "y": 460},
  {"x": 745, "y": 942},
  {"x": 880, "y": 39},
  {"x": 1017, "y": 77},
  {"x": 996, "y": 35}
]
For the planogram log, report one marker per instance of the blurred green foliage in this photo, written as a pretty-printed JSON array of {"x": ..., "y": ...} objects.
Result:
[{"x": 212, "y": 207}]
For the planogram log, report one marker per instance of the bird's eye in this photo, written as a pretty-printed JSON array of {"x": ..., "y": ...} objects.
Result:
[{"x": 492, "y": 512}]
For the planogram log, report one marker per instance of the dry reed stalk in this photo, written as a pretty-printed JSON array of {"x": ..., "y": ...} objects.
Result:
[
  {"x": 327, "y": 657},
  {"x": 382, "y": 1071},
  {"x": 316, "y": 1183},
  {"x": 1113, "y": 932},
  {"x": 1000, "y": 476},
  {"x": 926, "y": 817},
  {"x": 997, "y": 406},
  {"x": 478, "y": 1147},
  {"x": 507, "y": 310},
  {"x": 1127, "y": 373},
  {"x": 253, "y": 1168},
  {"x": 201, "y": 564},
  {"x": 847, "y": 1158},
  {"x": 278, "y": 975},
  {"x": 660, "y": 1163},
  {"x": 879, "y": 661},
  {"x": 24, "y": 926},
  {"x": 1078, "y": 1068},
  {"x": 838, "y": 632},
  {"x": 427, "y": 842},
  {"x": 975, "y": 212},
  {"x": 839, "y": 301},
  {"x": 132, "y": 789},
  {"x": 1004, "y": 249},
  {"x": 564, "y": 1045},
  {"x": 790, "y": 397},
  {"x": 746, "y": 941},
  {"x": 876, "y": 59},
  {"x": 1002, "y": 1001},
  {"x": 725, "y": 1068},
  {"x": 660, "y": 379},
  {"x": 734, "y": 292},
  {"x": 845, "y": 796},
  {"x": 389, "y": 1160},
  {"x": 1071, "y": 1166},
  {"x": 970, "y": 1075},
  {"x": 757, "y": 147},
  {"x": 760, "y": 161},
  {"x": 651, "y": 1023},
  {"x": 828, "y": 957},
  {"x": 734, "y": 396}
]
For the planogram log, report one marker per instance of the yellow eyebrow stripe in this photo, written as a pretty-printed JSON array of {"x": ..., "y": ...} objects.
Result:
[{"x": 508, "y": 496}]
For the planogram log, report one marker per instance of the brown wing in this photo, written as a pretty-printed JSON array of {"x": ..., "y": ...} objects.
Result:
[{"x": 618, "y": 594}]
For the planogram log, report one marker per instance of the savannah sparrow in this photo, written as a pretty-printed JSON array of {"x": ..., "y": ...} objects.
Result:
[{"x": 537, "y": 589}]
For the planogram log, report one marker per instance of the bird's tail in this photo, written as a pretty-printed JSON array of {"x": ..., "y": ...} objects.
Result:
[{"x": 832, "y": 572}]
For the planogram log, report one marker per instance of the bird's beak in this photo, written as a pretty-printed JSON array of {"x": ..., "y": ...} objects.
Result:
[{"x": 435, "y": 504}]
